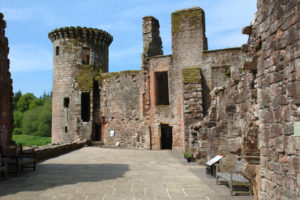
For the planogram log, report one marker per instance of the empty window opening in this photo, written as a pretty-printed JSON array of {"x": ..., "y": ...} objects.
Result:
[
  {"x": 166, "y": 136},
  {"x": 66, "y": 129},
  {"x": 66, "y": 102},
  {"x": 162, "y": 88},
  {"x": 85, "y": 106},
  {"x": 96, "y": 96},
  {"x": 57, "y": 50},
  {"x": 86, "y": 56}
]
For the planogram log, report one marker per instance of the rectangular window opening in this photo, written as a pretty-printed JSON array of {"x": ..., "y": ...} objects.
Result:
[
  {"x": 66, "y": 102},
  {"x": 57, "y": 50},
  {"x": 66, "y": 129},
  {"x": 86, "y": 56},
  {"x": 162, "y": 88},
  {"x": 85, "y": 106}
]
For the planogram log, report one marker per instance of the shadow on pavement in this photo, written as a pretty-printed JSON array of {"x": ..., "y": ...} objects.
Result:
[{"x": 53, "y": 175}]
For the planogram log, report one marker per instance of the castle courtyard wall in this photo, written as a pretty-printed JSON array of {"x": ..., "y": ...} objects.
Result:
[
  {"x": 6, "y": 93},
  {"x": 276, "y": 28},
  {"x": 120, "y": 110}
]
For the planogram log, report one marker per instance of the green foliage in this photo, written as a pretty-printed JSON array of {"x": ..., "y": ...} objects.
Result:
[
  {"x": 27, "y": 140},
  {"x": 33, "y": 116},
  {"x": 24, "y": 101},
  {"x": 191, "y": 75},
  {"x": 17, "y": 131},
  {"x": 37, "y": 121},
  {"x": 35, "y": 103},
  {"x": 16, "y": 98},
  {"x": 188, "y": 155},
  {"x": 18, "y": 118}
]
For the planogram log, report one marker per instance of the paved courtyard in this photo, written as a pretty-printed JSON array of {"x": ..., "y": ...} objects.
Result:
[{"x": 114, "y": 174}]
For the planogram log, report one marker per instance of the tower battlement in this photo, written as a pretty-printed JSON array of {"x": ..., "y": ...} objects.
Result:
[{"x": 81, "y": 32}]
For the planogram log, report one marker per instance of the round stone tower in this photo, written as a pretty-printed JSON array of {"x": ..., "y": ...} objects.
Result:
[{"x": 79, "y": 54}]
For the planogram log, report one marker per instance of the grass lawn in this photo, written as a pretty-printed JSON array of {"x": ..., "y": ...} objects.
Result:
[{"x": 28, "y": 140}]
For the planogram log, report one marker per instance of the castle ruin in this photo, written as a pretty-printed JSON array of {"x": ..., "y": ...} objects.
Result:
[
  {"x": 151, "y": 108},
  {"x": 239, "y": 102}
]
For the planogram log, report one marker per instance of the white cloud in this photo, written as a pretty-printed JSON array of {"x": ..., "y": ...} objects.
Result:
[{"x": 30, "y": 57}]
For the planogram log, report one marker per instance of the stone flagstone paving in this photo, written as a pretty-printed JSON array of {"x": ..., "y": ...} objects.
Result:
[{"x": 115, "y": 174}]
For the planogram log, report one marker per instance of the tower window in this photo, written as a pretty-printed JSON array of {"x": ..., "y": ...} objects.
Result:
[
  {"x": 66, "y": 129},
  {"x": 57, "y": 50},
  {"x": 162, "y": 88},
  {"x": 86, "y": 56},
  {"x": 85, "y": 106},
  {"x": 66, "y": 102}
]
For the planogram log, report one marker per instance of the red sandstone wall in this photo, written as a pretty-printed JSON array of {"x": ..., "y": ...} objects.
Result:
[
  {"x": 121, "y": 110},
  {"x": 6, "y": 94},
  {"x": 276, "y": 29}
]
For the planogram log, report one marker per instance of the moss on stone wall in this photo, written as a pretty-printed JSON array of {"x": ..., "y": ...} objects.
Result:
[
  {"x": 108, "y": 76},
  {"x": 86, "y": 77},
  {"x": 89, "y": 73},
  {"x": 191, "y": 75},
  {"x": 191, "y": 14},
  {"x": 190, "y": 87}
]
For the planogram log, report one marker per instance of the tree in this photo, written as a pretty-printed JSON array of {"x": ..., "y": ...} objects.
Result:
[
  {"x": 35, "y": 103},
  {"x": 16, "y": 98},
  {"x": 24, "y": 101},
  {"x": 37, "y": 121}
]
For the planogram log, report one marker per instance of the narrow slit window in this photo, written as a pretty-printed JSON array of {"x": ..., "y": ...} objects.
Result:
[
  {"x": 85, "y": 106},
  {"x": 66, "y": 129},
  {"x": 57, "y": 50},
  {"x": 66, "y": 102},
  {"x": 162, "y": 88},
  {"x": 86, "y": 56}
]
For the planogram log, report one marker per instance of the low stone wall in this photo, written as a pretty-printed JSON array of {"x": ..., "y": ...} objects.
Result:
[{"x": 52, "y": 150}]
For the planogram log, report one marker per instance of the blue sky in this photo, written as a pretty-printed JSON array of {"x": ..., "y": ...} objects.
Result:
[{"x": 30, "y": 21}]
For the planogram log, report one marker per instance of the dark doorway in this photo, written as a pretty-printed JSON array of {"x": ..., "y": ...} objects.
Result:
[
  {"x": 97, "y": 136},
  {"x": 166, "y": 136}
]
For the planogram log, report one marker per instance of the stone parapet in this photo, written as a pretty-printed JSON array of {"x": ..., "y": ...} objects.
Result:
[
  {"x": 52, "y": 150},
  {"x": 81, "y": 32}
]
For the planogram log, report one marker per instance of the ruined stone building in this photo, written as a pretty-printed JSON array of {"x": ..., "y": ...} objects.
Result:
[
  {"x": 6, "y": 94},
  {"x": 239, "y": 102},
  {"x": 151, "y": 108},
  {"x": 243, "y": 102}
]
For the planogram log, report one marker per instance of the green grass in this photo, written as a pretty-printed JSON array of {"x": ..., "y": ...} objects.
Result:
[{"x": 28, "y": 140}]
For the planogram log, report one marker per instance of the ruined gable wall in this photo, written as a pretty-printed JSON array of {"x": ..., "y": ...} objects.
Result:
[
  {"x": 276, "y": 28},
  {"x": 188, "y": 43},
  {"x": 120, "y": 109},
  {"x": 159, "y": 114},
  {"x": 6, "y": 94},
  {"x": 220, "y": 69}
]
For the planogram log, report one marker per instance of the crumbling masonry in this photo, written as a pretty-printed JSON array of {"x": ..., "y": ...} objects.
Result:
[
  {"x": 239, "y": 102},
  {"x": 6, "y": 107}
]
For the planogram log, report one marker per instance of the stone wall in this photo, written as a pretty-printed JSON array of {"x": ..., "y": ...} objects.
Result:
[
  {"x": 6, "y": 94},
  {"x": 251, "y": 117},
  {"x": 52, "y": 150},
  {"x": 120, "y": 110},
  {"x": 276, "y": 31}
]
